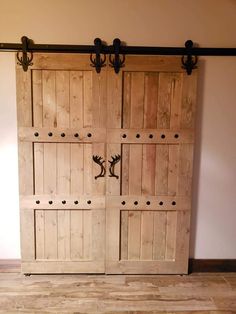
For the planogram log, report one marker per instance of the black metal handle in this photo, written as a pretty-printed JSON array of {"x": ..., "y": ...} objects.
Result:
[
  {"x": 98, "y": 160},
  {"x": 114, "y": 161}
]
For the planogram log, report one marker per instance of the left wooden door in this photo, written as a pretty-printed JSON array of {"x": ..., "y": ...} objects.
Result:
[{"x": 61, "y": 125}]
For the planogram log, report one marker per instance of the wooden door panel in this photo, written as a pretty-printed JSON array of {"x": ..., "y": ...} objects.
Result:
[
  {"x": 75, "y": 99},
  {"x": 148, "y": 235},
  {"x": 150, "y": 169},
  {"x": 62, "y": 204},
  {"x": 67, "y": 169},
  {"x": 67, "y": 113},
  {"x": 151, "y": 210},
  {"x": 65, "y": 234}
]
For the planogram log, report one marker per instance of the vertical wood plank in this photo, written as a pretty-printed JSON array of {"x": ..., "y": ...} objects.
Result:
[
  {"x": 64, "y": 221},
  {"x": 39, "y": 167},
  {"x": 113, "y": 240},
  {"x": 176, "y": 99},
  {"x": 124, "y": 191},
  {"x": 146, "y": 252},
  {"x": 51, "y": 244},
  {"x": 87, "y": 234},
  {"x": 25, "y": 153},
  {"x": 126, "y": 109},
  {"x": 76, "y": 99},
  {"x": 50, "y": 183},
  {"x": 162, "y": 160},
  {"x": 159, "y": 238},
  {"x": 188, "y": 107},
  {"x": 49, "y": 99},
  {"x": 124, "y": 219},
  {"x": 98, "y": 235},
  {"x": 23, "y": 97},
  {"x": 114, "y": 99},
  {"x": 62, "y": 98},
  {"x": 50, "y": 168},
  {"x": 63, "y": 168},
  {"x": 182, "y": 245},
  {"x": 185, "y": 170},
  {"x": 149, "y": 164},
  {"x": 164, "y": 101},
  {"x": 135, "y": 169},
  {"x": 24, "y": 118},
  {"x": 99, "y": 97},
  {"x": 88, "y": 169},
  {"x": 63, "y": 188},
  {"x": 135, "y": 164},
  {"x": 27, "y": 234},
  {"x": 125, "y": 123},
  {"x": 173, "y": 169},
  {"x": 125, "y": 169},
  {"x": 148, "y": 169},
  {"x": 39, "y": 189},
  {"x": 39, "y": 234},
  {"x": 150, "y": 100},
  {"x": 63, "y": 162},
  {"x": 76, "y": 252},
  {"x": 134, "y": 235},
  {"x": 87, "y": 99},
  {"x": 114, "y": 108},
  {"x": 77, "y": 169},
  {"x": 137, "y": 100},
  {"x": 171, "y": 235},
  {"x": 37, "y": 98}
]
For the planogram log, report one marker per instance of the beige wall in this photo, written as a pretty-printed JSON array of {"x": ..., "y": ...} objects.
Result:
[{"x": 138, "y": 22}]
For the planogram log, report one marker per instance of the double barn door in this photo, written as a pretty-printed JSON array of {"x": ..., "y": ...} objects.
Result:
[{"x": 105, "y": 165}]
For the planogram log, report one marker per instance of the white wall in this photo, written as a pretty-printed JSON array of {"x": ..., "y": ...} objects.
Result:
[{"x": 138, "y": 22}]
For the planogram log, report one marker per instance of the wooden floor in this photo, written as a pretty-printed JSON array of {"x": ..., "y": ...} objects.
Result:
[{"x": 197, "y": 293}]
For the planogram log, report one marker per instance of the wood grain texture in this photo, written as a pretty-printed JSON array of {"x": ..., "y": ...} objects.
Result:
[{"x": 195, "y": 294}]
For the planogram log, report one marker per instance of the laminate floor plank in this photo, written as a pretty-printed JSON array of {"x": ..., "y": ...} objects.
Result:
[{"x": 113, "y": 294}]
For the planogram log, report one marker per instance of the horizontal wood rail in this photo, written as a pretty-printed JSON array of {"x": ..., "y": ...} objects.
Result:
[
  {"x": 162, "y": 203},
  {"x": 109, "y": 135},
  {"x": 195, "y": 265},
  {"x": 65, "y": 202}
]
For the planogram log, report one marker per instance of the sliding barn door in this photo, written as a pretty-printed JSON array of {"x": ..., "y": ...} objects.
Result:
[
  {"x": 105, "y": 165},
  {"x": 61, "y": 109},
  {"x": 151, "y": 106}
]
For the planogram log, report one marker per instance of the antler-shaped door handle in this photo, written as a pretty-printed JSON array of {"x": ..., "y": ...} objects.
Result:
[
  {"x": 98, "y": 160},
  {"x": 114, "y": 161}
]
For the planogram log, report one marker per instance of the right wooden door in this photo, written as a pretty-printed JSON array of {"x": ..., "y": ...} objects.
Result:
[{"x": 151, "y": 109}]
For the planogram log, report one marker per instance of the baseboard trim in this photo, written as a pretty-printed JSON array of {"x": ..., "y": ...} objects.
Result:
[
  {"x": 212, "y": 265},
  {"x": 10, "y": 265},
  {"x": 195, "y": 265}
]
